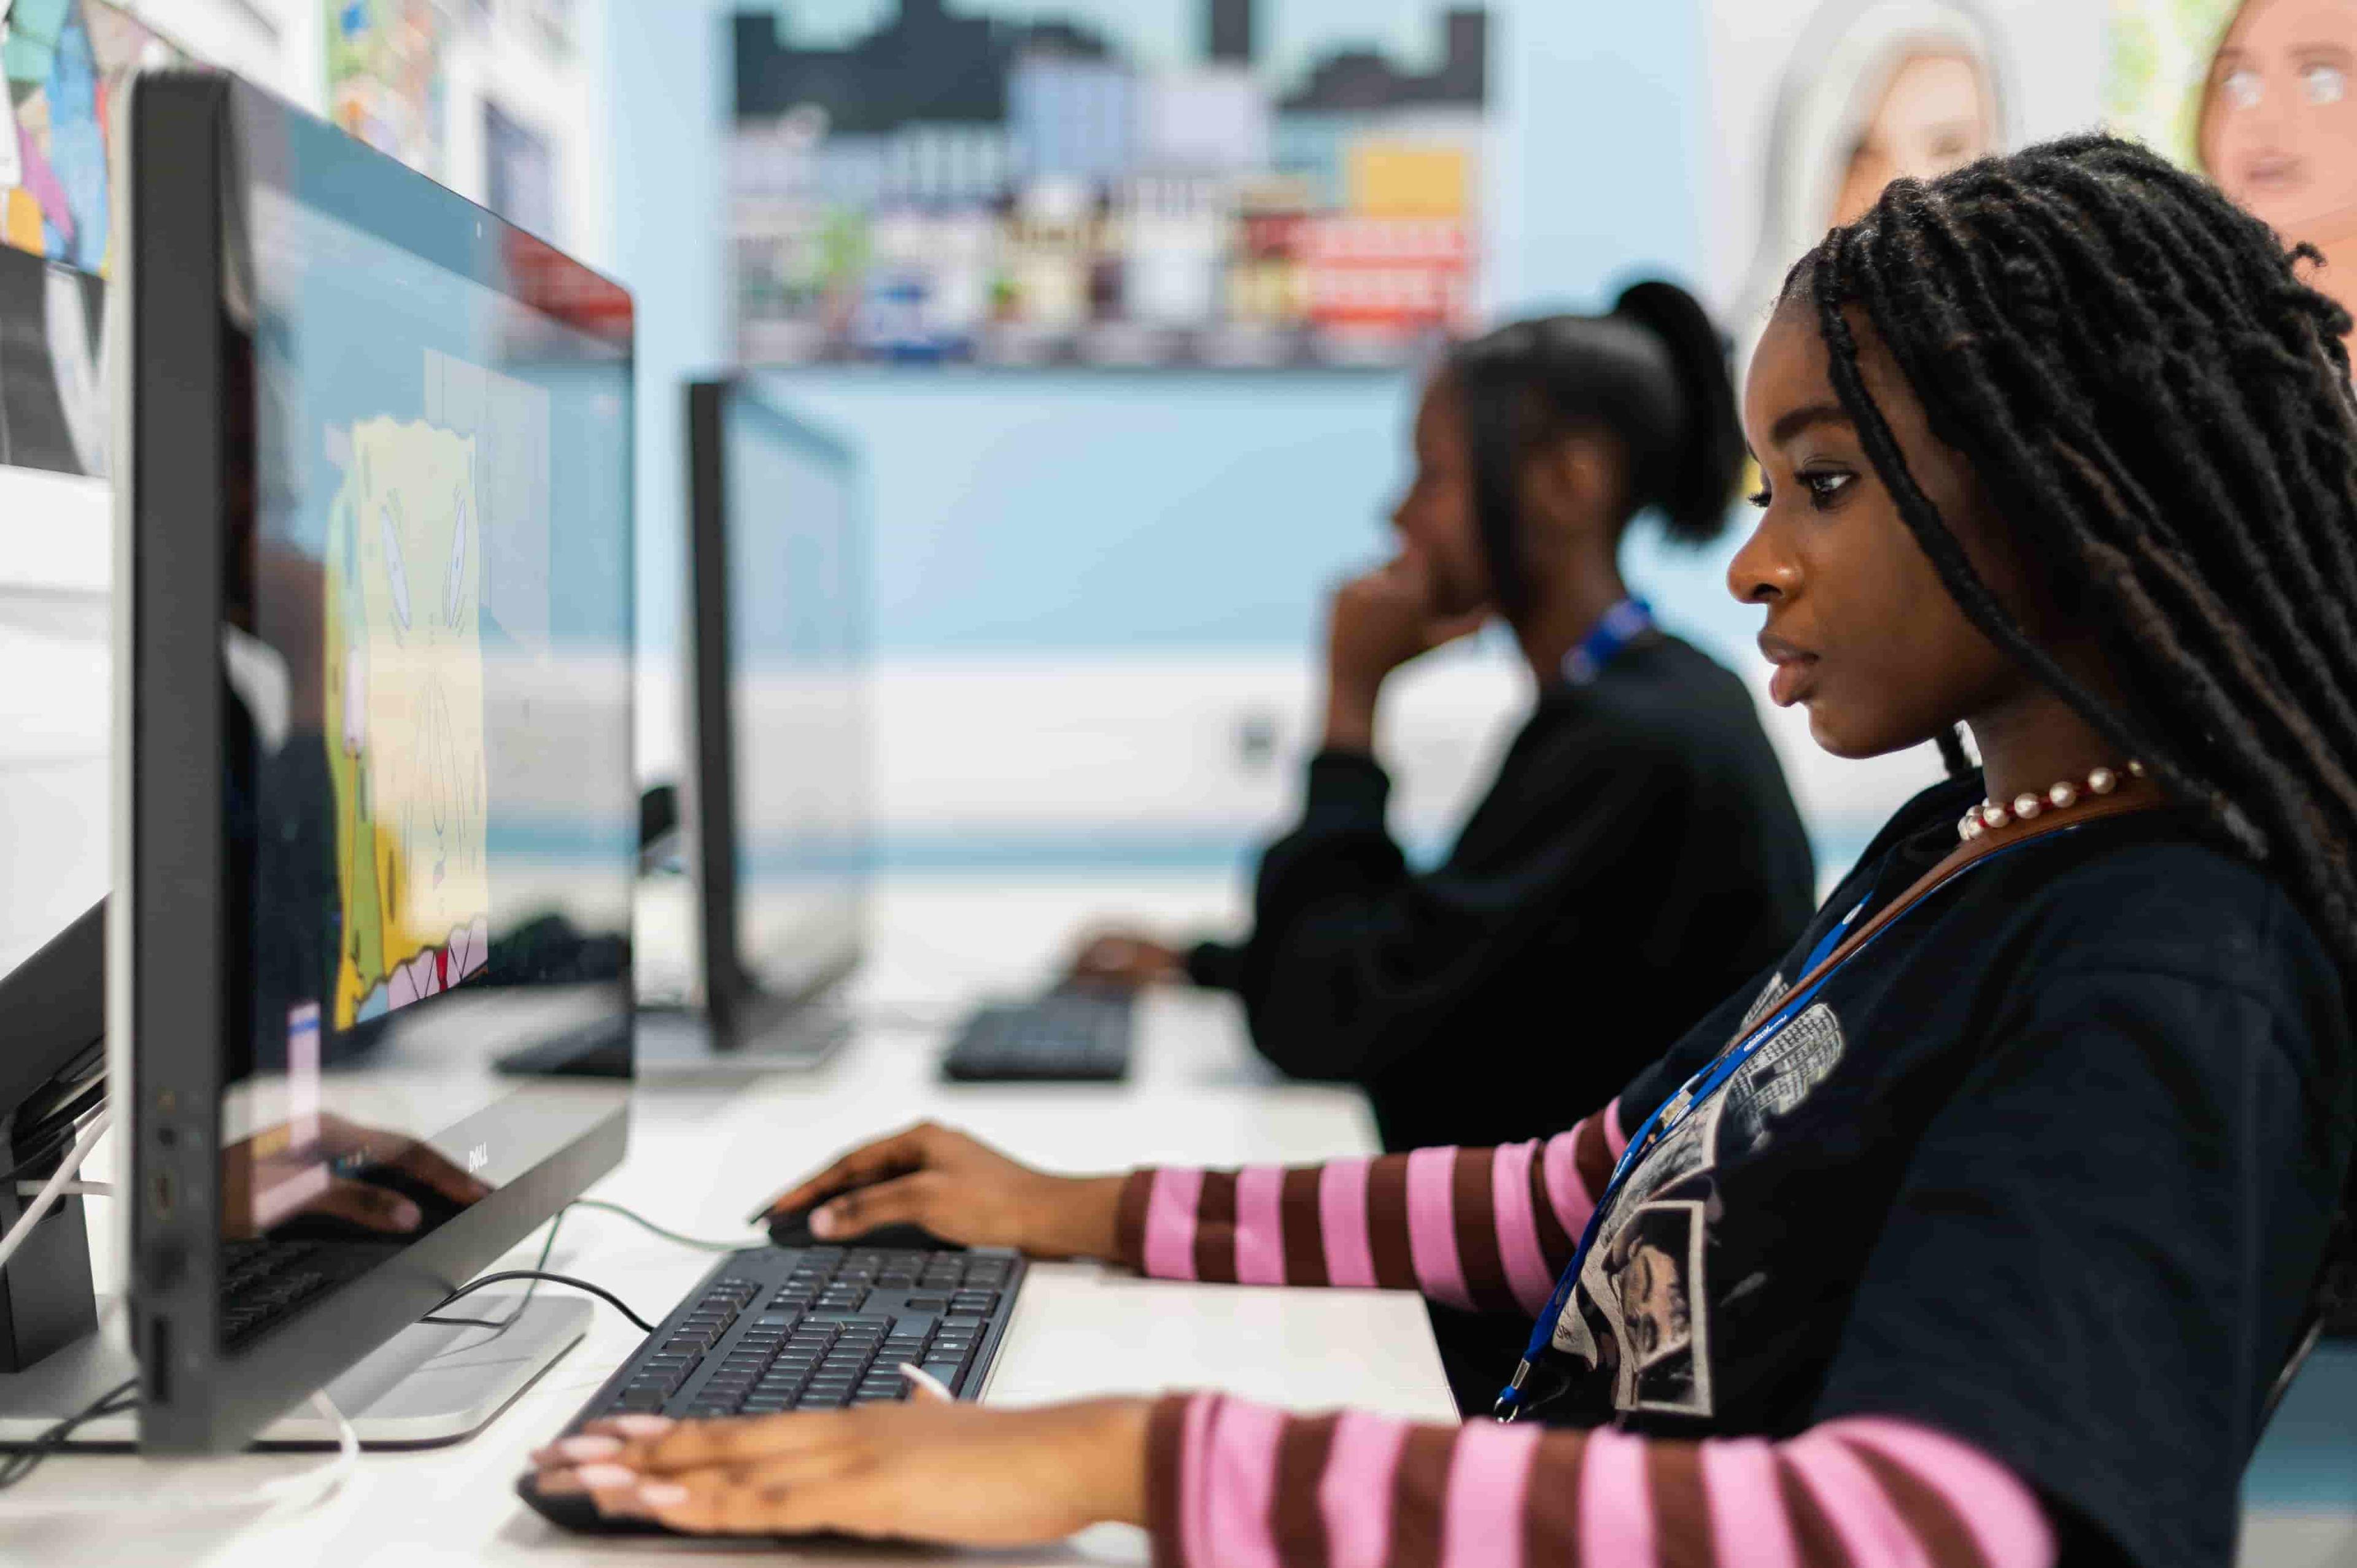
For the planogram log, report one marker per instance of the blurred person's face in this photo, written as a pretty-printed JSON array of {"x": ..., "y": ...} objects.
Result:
[
  {"x": 1435, "y": 517},
  {"x": 1933, "y": 117},
  {"x": 2279, "y": 123}
]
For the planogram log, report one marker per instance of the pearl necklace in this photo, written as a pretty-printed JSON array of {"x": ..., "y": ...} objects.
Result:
[{"x": 2060, "y": 796}]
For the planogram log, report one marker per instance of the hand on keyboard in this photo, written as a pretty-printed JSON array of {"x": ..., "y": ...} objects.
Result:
[
  {"x": 921, "y": 1471},
  {"x": 961, "y": 1190}
]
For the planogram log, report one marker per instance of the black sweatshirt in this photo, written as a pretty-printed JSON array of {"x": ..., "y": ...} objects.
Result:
[{"x": 1637, "y": 858}]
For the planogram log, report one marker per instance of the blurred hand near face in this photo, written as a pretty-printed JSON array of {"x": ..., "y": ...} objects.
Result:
[{"x": 1379, "y": 621}]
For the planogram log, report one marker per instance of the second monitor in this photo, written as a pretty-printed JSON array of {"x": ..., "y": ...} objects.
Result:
[{"x": 779, "y": 823}]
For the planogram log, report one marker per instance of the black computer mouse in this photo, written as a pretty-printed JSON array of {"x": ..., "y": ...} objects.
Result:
[{"x": 791, "y": 1229}]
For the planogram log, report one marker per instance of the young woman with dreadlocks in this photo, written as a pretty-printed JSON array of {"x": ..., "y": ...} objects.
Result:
[{"x": 1982, "y": 1233}]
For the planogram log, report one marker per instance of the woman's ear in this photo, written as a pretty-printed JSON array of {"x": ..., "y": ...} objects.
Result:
[{"x": 1571, "y": 489}]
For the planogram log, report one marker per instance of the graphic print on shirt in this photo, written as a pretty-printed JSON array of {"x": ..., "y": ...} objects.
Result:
[
  {"x": 1770, "y": 995},
  {"x": 1642, "y": 1308}
]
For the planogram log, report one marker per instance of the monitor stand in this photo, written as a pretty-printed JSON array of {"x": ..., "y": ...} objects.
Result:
[
  {"x": 677, "y": 1045},
  {"x": 431, "y": 1383}
]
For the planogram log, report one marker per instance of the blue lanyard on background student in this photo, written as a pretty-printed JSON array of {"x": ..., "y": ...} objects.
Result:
[
  {"x": 1622, "y": 624},
  {"x": 1671, "y": 1112}
]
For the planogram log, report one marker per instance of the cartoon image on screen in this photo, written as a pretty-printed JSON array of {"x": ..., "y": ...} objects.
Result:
[{"x": 404, "y": 710}]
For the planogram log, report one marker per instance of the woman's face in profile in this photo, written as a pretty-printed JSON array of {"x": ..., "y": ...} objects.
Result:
[
  {"x": 2279, "y": 124},
  {"x": 1933, "y": 117}
]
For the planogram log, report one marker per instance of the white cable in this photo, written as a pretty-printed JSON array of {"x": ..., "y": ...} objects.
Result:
[
  {"x": 54, "y": 1188},
  {"x": 310, "y": 1488},
  {"x": 70, "y": 1190}
]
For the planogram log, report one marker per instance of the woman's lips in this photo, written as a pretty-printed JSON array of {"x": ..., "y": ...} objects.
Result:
[
  {"x": 1795, "y": 669},
  {"x": 1792, "y": 680}
]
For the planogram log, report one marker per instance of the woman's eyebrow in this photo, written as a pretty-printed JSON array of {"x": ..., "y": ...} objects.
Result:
[
  {"x": 1805, "y": 418},
  {"x": 2320, "y": 54}
]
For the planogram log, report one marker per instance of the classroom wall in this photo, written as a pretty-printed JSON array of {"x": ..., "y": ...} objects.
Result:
[{"x": 1099, "y": 594}]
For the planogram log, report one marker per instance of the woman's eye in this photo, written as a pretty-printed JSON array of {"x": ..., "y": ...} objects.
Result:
[
  {"x": 1760, "y": 497},
  {"x": 2242, "y": 89},
  {"x": 2324, "y": 83},
  {"x": 1826, "y": 488}
]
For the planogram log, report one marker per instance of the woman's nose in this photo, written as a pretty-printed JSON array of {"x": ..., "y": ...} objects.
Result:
[{"x": 1760, "y": 574}]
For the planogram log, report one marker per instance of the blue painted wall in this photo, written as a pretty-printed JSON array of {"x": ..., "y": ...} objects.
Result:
[{"x": 1092, "y": 512}]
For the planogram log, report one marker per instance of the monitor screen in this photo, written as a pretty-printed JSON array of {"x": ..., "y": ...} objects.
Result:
[
  {"x": 428, "y": 649},
  {"x": 796, "y": 682}
]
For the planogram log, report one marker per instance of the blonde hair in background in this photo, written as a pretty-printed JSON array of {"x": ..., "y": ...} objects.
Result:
[{"x": 1840, "y": 70}]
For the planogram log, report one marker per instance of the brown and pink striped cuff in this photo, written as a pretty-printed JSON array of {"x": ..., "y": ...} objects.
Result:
[
  {"x": 1241, "y": 1486},
  {"x": 1483, "y": 1228}
]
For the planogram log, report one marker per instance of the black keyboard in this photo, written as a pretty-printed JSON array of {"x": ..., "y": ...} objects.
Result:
[
  {"x": 1065, "y": 1034},
  {"x": 782, "y": 1328}
]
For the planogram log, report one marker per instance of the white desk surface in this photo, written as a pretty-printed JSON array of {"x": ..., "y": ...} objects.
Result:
[{"x": 700, "y": 1158}]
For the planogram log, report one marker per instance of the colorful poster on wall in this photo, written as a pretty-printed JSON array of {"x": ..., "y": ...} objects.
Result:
[
  {"x": 2257, "y": 94},
  {"x": 1124, "y": 182},
  {"x": 386, "y": 82},
  {"x": 1820, "y": 103},
  {"x": 63, "y": 61}
]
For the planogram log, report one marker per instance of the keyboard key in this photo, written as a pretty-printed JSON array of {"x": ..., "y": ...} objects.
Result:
[
  {"x": 945, "y": 1372},
  {"x": 638, "y": 1399}
]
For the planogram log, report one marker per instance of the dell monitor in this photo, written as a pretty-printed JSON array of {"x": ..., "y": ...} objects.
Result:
[
  {"x": 777, "y": 792},
  {"x": 376, "y": 783}
]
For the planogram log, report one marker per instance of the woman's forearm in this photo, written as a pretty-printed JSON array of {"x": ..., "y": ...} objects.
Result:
[
  {"x": 1489, "y": 1229},
  {"x": 1230, "y": 1482}
]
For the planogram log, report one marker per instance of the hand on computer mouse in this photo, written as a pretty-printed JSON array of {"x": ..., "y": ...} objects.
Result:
[
  {"x": 959, "y": 1189},
  {"x": 920, "y": 1471},
  {"x": 1127, "y": 961}
]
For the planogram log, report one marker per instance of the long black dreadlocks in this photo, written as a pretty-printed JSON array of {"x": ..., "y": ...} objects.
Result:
[{"x": 2137, "y": 375}]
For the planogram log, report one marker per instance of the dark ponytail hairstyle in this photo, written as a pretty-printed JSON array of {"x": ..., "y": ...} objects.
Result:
[{"x": 1653, "y": 374}]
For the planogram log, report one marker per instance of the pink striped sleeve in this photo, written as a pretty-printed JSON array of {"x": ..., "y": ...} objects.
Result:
[
  {"x": 1260, "y": 1225},
  {"x": 1171, "y": 1223},
  {"x": 2003, "y": 1516},
  {"x": 1870, "y": 1530},
  {"x": 1488, "y": 1480},
  {"x": 1342, "y": 1222},
  {"x": 1481, "y": 1227},
  {"x": 1353, "y": 1494},
  {"x": 1240, "y": 1483},
  {"x": 1567, "y": 1193},
  {"x": 1615, "y": 1508},
  {"x": 1518, "y": 1247},
  {"x": 1432, "y": 1226},
  {"x": 1232, "y": 1483},
  {"x": 1746, "y": 1513}
]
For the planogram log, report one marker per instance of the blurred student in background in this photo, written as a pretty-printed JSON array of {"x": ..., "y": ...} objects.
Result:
[{"x": 1639, "y": 831}]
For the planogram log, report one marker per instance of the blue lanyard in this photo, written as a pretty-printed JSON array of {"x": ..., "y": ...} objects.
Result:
[
  {"x": 1673, "y": 1112},
  {"x": 1621, "y": 624}
]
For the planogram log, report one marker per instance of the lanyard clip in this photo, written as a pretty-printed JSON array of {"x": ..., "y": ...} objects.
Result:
[{"x": 1510, "y": 1398}]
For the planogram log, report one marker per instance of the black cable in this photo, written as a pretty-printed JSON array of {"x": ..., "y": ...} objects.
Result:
[
  {"x": 25, "y": 1460},
  {"x": 616, "y": 1302},
  {"x": 644, "y": 1223},
  {"x": 547, "y": 1245}
]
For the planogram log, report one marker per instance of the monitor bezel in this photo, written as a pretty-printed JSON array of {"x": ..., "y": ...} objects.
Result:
[
  {"x": 739, "y": 1008},
  {"x": 170, "y": 943}
]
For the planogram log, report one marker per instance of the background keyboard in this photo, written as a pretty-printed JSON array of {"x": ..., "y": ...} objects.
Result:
[{"x": 1072, "y": 1034}]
